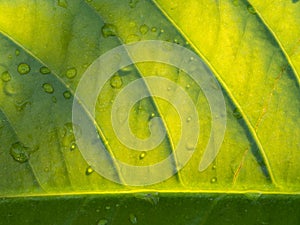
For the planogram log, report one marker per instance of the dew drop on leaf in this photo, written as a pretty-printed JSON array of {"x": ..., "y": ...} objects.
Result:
[
  {"x": 17, "y": 52},
  {"x": 108, "y": 30},
  {"x": 142, "y": 155},
  {"x": 5, "y": 76},
  {"x": 237, "y": 114},
  {"x": 19, "y": 152},
  {"x": 44, "y": 70},
  {"x": 189, "y": 119},
  {"x": 251, "y": 9},
  {"x": 132, "y": 3},
  {"x": 102, "y": 222},
  {"x": 153, "y": 29},
  {"x": 132, "y": 38},
  {"x": 144, "y": 29},
  {"x": 63, "y": 3},
  {"x": 89, "y": 170},
  {"x": 67, "y": 95},
  {"x": 116, "y": 81},
  {"x": 213, "y": 180},
  {"x": 73, "y": 146},
  {"x": 48, "y": 88},
  {"x": 71, "y": 73},
  {"x": 23, "y": 68},
  {"x": 133, "y": 219}
]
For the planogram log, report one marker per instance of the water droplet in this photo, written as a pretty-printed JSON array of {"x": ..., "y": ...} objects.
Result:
[
  {"x": 67, "y": 94},
  {"x": 190, "y": 146},
  {"x": 189, "y": 119},
  {"x": 237, "y": 114},
  {"x": 23, "y": 68},
  {"x": 162, "y": 30},
  {"x": 48, "y": 88},
  {"x": 153, "y": 29},
  {"x": 73, "y": 146},
  {"x": 107, "y": 207},
  {"x": 116, "y": 81},
  {"x": 235, "y": 2},
  {"x": 251, "y": 9},
  {"x": 108, "y": 30},
  {"x": 132, "y": 38},
  {"x": 19, "y": 152},
  {"x": 54, "y": 99},
  {"x": 89, "y": 170},
  {"x": 63, "y": 3},
  {"x": 102, "y": 222},
  {"x": 133, "y": 219},
  {"x": 44, "y": 70},
  {"x": 144, "y": 29},
  {"x": 188, "y": 86},
  {"x": 152, "y": 198},
  {"x": 214, "y": 167},
  {"x": 152, "y": 115},
  {"x": 213, "y": 180},
  {"x": 142, "y": 155},
  {"x": 5, "y": 76},
  {"x": 71, "y": 73},
  {"x": 17, "y": 52},
  {"x": 132, "y": 3}
]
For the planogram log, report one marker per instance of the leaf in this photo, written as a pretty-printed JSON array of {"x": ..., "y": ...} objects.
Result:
[{"x": 246, "y": 47}]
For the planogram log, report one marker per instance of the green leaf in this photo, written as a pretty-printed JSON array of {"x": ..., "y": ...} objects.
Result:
[{"x": 251, "y": 49}]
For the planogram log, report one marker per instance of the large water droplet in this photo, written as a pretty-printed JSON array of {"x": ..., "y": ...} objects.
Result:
[
  {"x": 19, "y": 152},
  {"x": 71, "y": 73},
  {"x": 5, "y": 76},
  {"x": 48, "y": 88},
  {"x": 44, "y": 70},
  {"x": 132, "y": 219},
  {"x": 144, "y": 29},
  {"x": 63, "y": 3},
  {"x": 116, "y": 81},
  {"x": 108, "y": 30},
  {"x": 102, "y": 222},
  {"x": 23, "y": 68}
]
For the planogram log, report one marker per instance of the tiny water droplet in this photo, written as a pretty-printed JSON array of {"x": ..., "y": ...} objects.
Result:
[
  {"x": 162, "y": 30},
  {"x": 188, "y": 86},
  {"x": 132, "y": 38},
  {"x": 153, "y": 29},
  {"x": 116, "y": 81},
  {"x": 5, "y": 76},
  {"x": 67, "y": 94},
  {"x": 144, "y": 29},
  {"x": 102, "y": 222},
  {"x": 73, "y": 146},
  {"x": 107, "y": 207},
  {"x": 133, "y": 219},
  {"x": 17, "y": 52},
  {"x": 213, "y": 180},
  {"x": 44, "y": 70},
  {"x": 71, "y": 73},
  {"x": 54, "y": 99},
  {"x": 132, "y": 3},
  {"x": 251, "y": 9},
  {"x": 89, "y": 170},
  {"x": 19, "y": 152},
  {"x": 63, "y": 3},
  {"x": 152, "y": 115},
  {"x": 214, "y": 167},
  {"x": 108, "y": 30},
  {"x": 142, "y": 155},
  {"x": 189, "y": 119},
  {"x": 235, "y": 2},
  {"x": 23, "y": 68},
  {"x": 48, "y": 88},
  {"x": 237, "y": 114},
  {"x": 190, "y": 146}
]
